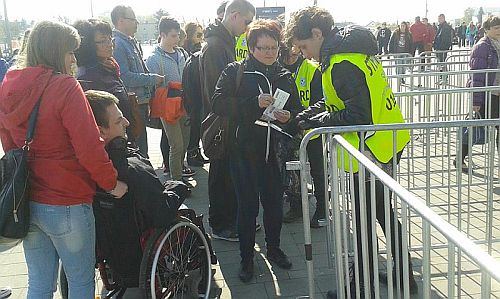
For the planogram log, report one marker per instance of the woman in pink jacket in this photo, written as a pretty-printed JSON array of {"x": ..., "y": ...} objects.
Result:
[{"x": 67, "y": 160}]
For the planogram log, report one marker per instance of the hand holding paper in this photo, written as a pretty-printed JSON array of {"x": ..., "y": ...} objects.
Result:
[{"x": 280, "y": 99}]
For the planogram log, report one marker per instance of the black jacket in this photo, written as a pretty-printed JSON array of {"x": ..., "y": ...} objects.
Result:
[
  {"x": 444, "y": 37},
  {"x": 383, "y": 36},
  {"x": 242, "y": 106},
  {"x": 347, "y": 79},
  {"x": 216, "y": 54},
  {"x": 98, "y": 77},
  {"x": 394, "y": 46}
]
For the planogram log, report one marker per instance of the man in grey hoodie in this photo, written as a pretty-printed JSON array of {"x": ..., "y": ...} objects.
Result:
[{"x": 216, "y": 54}]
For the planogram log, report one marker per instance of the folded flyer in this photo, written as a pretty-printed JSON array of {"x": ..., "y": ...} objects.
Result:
[{"x": 280, "y": 99}]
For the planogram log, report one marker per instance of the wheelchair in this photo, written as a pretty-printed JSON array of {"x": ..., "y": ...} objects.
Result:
[{"x": 170, "y": 262}]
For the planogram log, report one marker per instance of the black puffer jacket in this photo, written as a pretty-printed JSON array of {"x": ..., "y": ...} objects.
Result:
[
  {"x": 216, "y": 54},
  {"x": 120, "y": 223},
  {"x": 242, "y": 106},
  {"x": 347, "y": 79}
]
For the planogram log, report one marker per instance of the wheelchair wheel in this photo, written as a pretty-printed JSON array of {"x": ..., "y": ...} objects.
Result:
[{"x": 176, "y": 263}]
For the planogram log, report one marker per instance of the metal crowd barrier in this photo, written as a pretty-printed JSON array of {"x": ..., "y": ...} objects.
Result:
[
  {"x": 447, "y": 216},
  {"x": 456, "y": 60},
  {"x": 442, "y": 104}
]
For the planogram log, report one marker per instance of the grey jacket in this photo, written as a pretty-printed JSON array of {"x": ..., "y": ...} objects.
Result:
[{"x": 161, "y": 63}]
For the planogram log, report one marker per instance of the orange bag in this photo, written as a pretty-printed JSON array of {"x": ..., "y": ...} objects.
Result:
[{"x": 167, "y": 102}]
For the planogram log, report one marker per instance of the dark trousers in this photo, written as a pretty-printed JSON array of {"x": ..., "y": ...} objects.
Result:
[
  {"x": 461, "y": 41},
  {"x": 383, "y": 47},
  {"x": 164, "y": 147},
  {"x": 195, "y": 134},
  {"x": 315, "y": 155},
  {"x": 254, "y": 180},
  {"x": 493, "y": 113},
  {"x": 380, "y": 215},
  {"x": 142, "y": 140},
  {"x": 222, "y": 199}
]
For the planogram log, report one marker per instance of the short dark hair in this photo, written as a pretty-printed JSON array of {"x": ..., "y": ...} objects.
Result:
[
  {"x": 222, "y": 7},
  {"x": 303, "y": 21},
  {"x": 244, "y": 7},
  {"x": 99, "y": 102},
  {"x": 490, "y": 22},
  {"x": 260, "y": 28},
  {"x": 118, "y": 12},
  {"x": 191, "y": 29},
  {"x": 86, "y": 53},
  {"x": 167, "y": 23}
]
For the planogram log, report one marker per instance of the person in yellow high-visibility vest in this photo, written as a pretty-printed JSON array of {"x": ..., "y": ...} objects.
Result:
[
  {"x": 307, "y": 78},
  {"x": 241, "y": 47},
  {"x": 356, "y": 93}
]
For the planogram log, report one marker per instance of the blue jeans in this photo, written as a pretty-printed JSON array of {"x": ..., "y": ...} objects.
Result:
[{"x": 66, "y": 233}]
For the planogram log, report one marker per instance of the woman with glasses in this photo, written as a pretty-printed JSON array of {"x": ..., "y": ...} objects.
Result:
[
  {"x": 252, "y": 142},
  {"x": 194, "y": 37},
  {"x": 97, "y": 69}
]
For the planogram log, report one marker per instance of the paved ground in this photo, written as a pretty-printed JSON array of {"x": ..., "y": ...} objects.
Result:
[{"x": 270, "y": 282}]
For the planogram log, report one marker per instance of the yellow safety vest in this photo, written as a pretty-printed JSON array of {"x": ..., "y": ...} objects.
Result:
[
  {"x": 303, "y": 78},
  {"x": 241, "y": 47},
  {"x": 384, "y": 108}
]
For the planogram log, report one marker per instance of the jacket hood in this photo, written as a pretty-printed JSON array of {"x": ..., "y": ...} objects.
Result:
[
  {"x": 19, "y": 93},
  {"x": 350, "y": 39},
  {"x": 218, "y": 30}
]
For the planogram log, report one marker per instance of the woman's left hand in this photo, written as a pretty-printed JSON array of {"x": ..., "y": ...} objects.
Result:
[{"x": 283, "y": 116}]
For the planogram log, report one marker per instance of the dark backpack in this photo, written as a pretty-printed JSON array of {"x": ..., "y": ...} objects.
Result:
[{"x": 191, "y": 83}]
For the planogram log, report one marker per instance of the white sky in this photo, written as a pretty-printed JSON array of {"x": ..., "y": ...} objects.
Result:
[{"x": 358, "y": 11}]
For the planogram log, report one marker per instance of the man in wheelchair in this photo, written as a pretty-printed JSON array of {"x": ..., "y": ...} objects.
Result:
[{"x": 123, "y": 225}]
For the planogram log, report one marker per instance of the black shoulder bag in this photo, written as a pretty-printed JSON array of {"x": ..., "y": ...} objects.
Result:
[
  {"x": 214, "y": 128},
  {"x": 14, "y": 188}
]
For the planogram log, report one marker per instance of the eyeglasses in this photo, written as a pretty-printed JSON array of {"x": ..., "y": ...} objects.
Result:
[
  {"x": 247, "y": 22},
  {"x": 132, "y": 19},
  {"x": 199, "y": 35},
  {"x": 108, "y": 41},
  {"x": 267, "y": 49}
]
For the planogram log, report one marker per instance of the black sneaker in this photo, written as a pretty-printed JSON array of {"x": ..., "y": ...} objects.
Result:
[
  {"x": 187, "y": 172},
  {"x": 465, "y": 168},
  {"x": 277, "y": 256},
  {"x": 226, "y": 235},
  {"x": 193, "y": 160},
  {"x": 412, "y": 283},
  {"x": 246, "y": 271},
  {"x": 292, "y": 215},
  {"x": 352, "y": 290},
  {"x": 318, "y": 220}
]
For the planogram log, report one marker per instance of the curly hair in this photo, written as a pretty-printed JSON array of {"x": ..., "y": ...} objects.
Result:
[
  {"x": 303, "y": 21},
  {"x": 260, "y": 28},
  {"x": 86, "y": 53}
]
